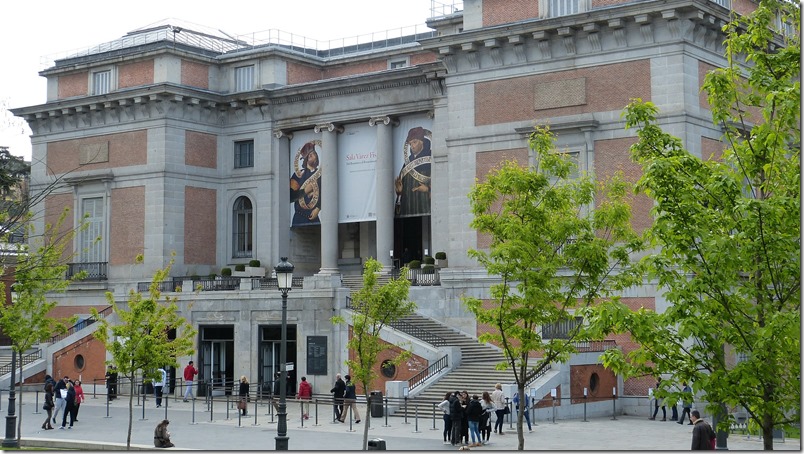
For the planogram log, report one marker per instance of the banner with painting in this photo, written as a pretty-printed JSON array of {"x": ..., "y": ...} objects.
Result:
[
  {"x": 357, "y": 173},
  {"x": 412, "y": 164},
  {"x": 305, "y": 179}
]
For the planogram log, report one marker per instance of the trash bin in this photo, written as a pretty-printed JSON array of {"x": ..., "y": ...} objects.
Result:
[
  {"x": 376, "y": 404},
  {"x": 376, "y": 444}
]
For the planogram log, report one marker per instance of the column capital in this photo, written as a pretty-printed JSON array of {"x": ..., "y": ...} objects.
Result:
[
  {"x": 384, "y": 119},
  {"x": 280, "y": 134},
  {"x": 328, "y": 127}
]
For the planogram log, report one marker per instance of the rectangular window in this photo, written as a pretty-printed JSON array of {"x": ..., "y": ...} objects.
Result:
[
  {"x": 561, "y": 330},
  {"x": 558, "y": 8},
  {"x": 244, "y": 78},
  {"x": 723, "y": 3},
  {"x": 101, "y": 82},
  {"x": 398, "y": 63},
  {"x": 91, "y": 242},
  {"x": 244, "y": 154}
]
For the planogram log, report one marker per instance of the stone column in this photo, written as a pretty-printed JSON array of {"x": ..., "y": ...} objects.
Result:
[
  {"x": 329, "y": 197},
  {"x": 385, "y": 189},
  {"x": 280, "y": 212}
]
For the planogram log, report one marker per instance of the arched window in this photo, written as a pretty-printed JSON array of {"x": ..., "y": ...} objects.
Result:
[{"x": 242, "y": 228}]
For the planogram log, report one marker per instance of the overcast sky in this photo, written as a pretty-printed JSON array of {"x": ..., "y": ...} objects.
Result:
[{"x": 32, "y": 31}]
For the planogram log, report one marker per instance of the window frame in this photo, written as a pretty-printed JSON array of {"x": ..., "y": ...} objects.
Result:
[
  {"x": 242, "y": 227},
  {"x": 239, "y": 83},
  {"x": 93, "y": 81},
  {"x": 239, "y": 154}
]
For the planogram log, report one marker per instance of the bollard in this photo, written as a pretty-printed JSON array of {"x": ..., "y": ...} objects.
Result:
[
  {"x": 193, "y": 412},
  {"x": 255, "y": 413},
  {"x": 406, "y": 411},
  {"x": 434, "y": 418},
  {"x": 386, "y": 412},
  {"x": 166, "y": 398},
  {"x": 228, "y": 405},
  {"x": 350, "y": 419},
  {"x": 554, "y": 408},
  {"x": 315, "y": 410},
  {"x": 211, "y": 405},
  {"x": 584, "y": 405},
  {"x": 143, "y": 409},
  {"x": 614, "y": 404},
  {"x": 510, "y": 414},
  {"x": 416, "y": 415},
  {"x": 239, "y": 415},
  {"x": 94, "y": 388},
  {"x": 301, "y": 414},
  {"x": 36, "y": 404}
]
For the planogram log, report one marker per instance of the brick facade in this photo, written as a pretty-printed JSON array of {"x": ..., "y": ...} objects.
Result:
[
  {"x": 200, "y": 226},
  {"x": 127, "y": 238},
  {"x": 136, "y": 74},
  {"x": 612, "y": 156},
  {"x": 200, "y": 149},
  {"x": 298, "y": 73},
  {"x": 195, "y": 74},
  {"x": 487, "y": 161},
  {"x": 496, "y": 12},
  {"x": 124, "y": 148},
  {"x": 75, "y": 84}
]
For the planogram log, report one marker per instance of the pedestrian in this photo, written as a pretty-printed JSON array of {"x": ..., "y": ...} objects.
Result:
[
  {"x": 515, "y": 400},
  {"x": 498, "y": 398},
  {"x": 473, "y": 412},
  {"x": 337, "y": 395},
  {"x": 159, "y": 385},
  {"x": 465, "y": 418},
  {"x": 656, "y": 403},
  {"x": 48, "y": 406},
  {"x": 162, "y": 436},
  {"x": 79, "y": 398},
  {"x": 305, "y": 394},
  {"x": 444, "y": 407},
  {"x": 69, "y": 407},
  {"x": 456, "y": 415},
  {"x": 189, "y": 377},
  {"x": 60, "y": 392},
  {"x": 485, "y": 418},
  {"x": 277, "y": 388},
  {"x": 111, "y": 382},
  {"x": 242, "y": 395},
  {"x": 704, "y": 437},
  {"x": 350, "y": 401},
  {"x": 687, "y": 403}
]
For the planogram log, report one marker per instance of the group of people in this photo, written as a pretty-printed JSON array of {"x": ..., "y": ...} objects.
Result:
[
  {"x": 703, "y": 436},
  {"x": 686, "y": 408},
  {"x": 345, "y": 399},
  {"x": 464, "y": 416},
  {"x": 64, "y": 396}
]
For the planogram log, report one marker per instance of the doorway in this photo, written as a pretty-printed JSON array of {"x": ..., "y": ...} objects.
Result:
[
  {"x": 412, "y": 234},
  {"x": 216, "y": 360},
  {"x": 270, "y": 348}
]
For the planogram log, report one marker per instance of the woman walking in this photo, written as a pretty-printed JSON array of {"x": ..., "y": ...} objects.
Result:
[
  {"x": 242, "y": 394},
  {"x": 499, "y": 408},
  {"x": 485, "y": 418},
  {"x": 48, "y": 406},
  {"x": 444, "y": 407},
  {"x": 79, "y": 398}
]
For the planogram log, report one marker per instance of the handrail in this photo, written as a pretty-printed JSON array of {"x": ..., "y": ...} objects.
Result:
[
  {"x": 541, "y": 373},
  {"x": 431, "y": 370},
  {"x": 594, "y": 346},
  {"x": 24, "y": 359},
  {"x": 410, "y": 329},
  {"x": 81, "y": 325},
  {"x": 268, "y": 283}
]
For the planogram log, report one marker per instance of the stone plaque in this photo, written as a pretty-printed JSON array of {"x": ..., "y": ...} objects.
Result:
[
  {"x": 560, "y": 93},
  {"x": 91, "y": 153}
]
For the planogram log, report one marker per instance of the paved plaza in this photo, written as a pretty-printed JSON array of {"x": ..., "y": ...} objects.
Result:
[{"x": 214, "y": 431}]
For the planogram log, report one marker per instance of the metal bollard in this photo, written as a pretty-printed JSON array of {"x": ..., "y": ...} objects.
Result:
[
  {"x": 584, "y": 405},
  {"x": 316, "y": 412},
  {"x": 614, "y": 404},
  {"x": 36, "y": 404},
  {"x": 228, "y": 405},
  {"x": 416, "y": 414},
  {"x": 166, "y": 399},
  {"x": 301, "y": 414},
  {"x": 211, "y": 404},
  {"x": 255, "y": 413},
  {"x": 94, "y": 389},
  {"x": 143, "y": 408},
  {"x": 193, "y": 413},
  {"x": 107, "y": 406},
  {"x": 510, "y": 413},
  {"x": 406, "y": 411},
  {"x": 386, "y": 412},
  {"x": 434, "y": 418},
  {"x": 554, "y": 408}
]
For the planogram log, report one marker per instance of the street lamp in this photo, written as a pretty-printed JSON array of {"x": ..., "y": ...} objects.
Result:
[
  {"x": 11, "y": 417},
  {"x": 284, "y": 281}
]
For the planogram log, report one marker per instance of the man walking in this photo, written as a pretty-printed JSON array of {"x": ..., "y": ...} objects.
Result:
[
  {"x": 159, "y": 385},
  {"x": 111, "y": 382},
  {"x": 350, "y": 401},
  {"x": 703, "y": 437},
  {"x": 189, "y": 376},
  {"x": 338, "y": 391}
]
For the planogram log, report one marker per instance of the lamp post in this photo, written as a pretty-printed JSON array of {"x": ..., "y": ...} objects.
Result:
[
  {"x": 284, "y": 281},
  {"x": 11, "y": 417}
]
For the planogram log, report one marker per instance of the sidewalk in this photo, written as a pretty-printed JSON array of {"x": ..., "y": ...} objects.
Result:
[{"x": 96, "y": 431}]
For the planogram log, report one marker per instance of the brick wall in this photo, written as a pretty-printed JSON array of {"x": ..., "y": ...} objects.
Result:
[
  {"x": 614, "y": 155},
  {"x": 94, "y": 366},
  {"x": 54, "y": 207},
  {"x": 200, "y": 226},
  {"x": 404, "y": 371},
  {"x": 703, "y": 68},
  {"x": 607, "y": 88},
  {"x": 485, "y": 162},
  {"x": 602, "y": 3},
  {"x": 200, "y": 149},
  {"x": 136, "y": 74},
  {"x": 76, "y": 84},
  {"x": 127, "y": 230},
  {"x": 125, "y": 149},
  {"x": 743, "y": 6},
  {"x": 587, "y": 376},
  {"x": 195, "y": 74},
  {"x": 299, "y": 73},
  {"x": 362, "y": 67},
  {"x": 711, "y": 149},
  {"x": 496, "y": 12},
  {"x": 422, "y": 57}
]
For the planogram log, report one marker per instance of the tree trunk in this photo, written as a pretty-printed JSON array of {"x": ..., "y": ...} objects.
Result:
[
  {"x": 19, "y": 403},
  {"x": 130, "y": 413}
]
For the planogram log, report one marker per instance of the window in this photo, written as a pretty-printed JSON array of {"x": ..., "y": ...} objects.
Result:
[
  {"x": 562, "y": 329},
  {"x": 723, "y": 3},
  {"x": 242, "y": 228},
  {"x": 101, "y": 82},
  {"x": 785, "y": 27},
  {"x": 398, "y": 63},
  {"x": 244, "y": 78},
  {"x": 557, "y": 8},
  {"x": 244, "y": 154},
  {"x": 91, "y": 242}
]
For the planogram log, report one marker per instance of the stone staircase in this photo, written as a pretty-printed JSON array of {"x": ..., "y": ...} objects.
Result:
[{"x": 355, "y": 282}]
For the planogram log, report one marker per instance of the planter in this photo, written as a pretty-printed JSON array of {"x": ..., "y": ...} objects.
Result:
[
  {"x": 441, "y": 263},
  {"x": 255, "y": 271}
]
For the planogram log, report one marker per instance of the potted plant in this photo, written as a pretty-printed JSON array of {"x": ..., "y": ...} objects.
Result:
[
  {"x": 441, "y": 259},
  {"x": 226, "y": 271},
  {"x": 254, "y": 269},
  {"x": 428, "y": 268},
  {"x": 414, "y": 264},
  {"x": 240, "y": 271}
]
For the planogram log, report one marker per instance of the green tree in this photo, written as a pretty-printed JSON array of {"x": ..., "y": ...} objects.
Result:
[
  {"x": 139, "y": 342},
  {"x": 373, "y": 307},
  {"x": 40, "y": 271},
  {"x": 553, "y": 250},
  {"x": 727, "y": 236}
]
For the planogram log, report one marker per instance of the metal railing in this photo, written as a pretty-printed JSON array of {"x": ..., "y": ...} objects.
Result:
[
  {"x": 216, "y": 283},
  {"x": 81, "y": 325},
  {"x": 420, "y": 276},
  {"x": 431, "y": 370},
  {"x": 96, "y": 271},
  {"x": 270, "y": 283},
  {"x": 408, "y": 328},
  {"x": 594, "y": 346},
  {"x": 164, "y": 286},
  {"x": 540, "y": 374},
  {"x": 24, "y": 359}
]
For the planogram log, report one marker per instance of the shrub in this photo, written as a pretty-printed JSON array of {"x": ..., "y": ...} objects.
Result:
[
  {"x": 415, "y": 264},
  {"x": 441, "y": 255},
  {"x": 226, "y": 271},
  {"x": 428, "y": 269},
  {"x": 213, "y": 275},
  {"x": 254, "y": 263},
  {"x": 240, "y": 267},
  {"x": 428, "y": 260}
]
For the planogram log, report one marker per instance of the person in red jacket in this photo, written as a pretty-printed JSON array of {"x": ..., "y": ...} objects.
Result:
[
  {"x": 305, "y": 393},
  {"x": 189, "y": 375}
]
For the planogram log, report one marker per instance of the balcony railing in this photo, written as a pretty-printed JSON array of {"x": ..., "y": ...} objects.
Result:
[
  {"x": 96, "y": 271},
  {"x": 421, "y": 277},
  {"x": 270, "y": 283},
  {"x": 164, "y": 286},
  {"x": 81, "y": 325}
]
